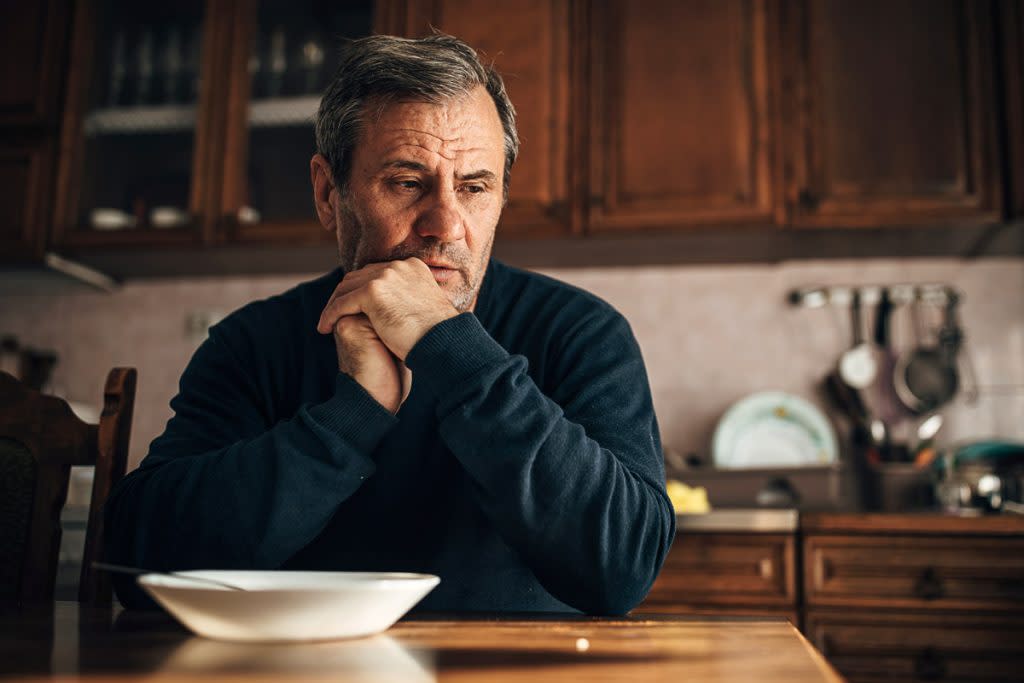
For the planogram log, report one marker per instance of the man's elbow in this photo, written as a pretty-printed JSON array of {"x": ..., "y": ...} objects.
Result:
[{"x": 629, "y": 575}]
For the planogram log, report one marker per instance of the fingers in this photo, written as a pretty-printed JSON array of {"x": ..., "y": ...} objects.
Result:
[
  {"x": 409, "y": 271},
  {"x": 340, "y": 306}
]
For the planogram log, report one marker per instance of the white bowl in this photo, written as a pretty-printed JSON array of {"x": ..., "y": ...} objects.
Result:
[{"x": 288, "y": 606}]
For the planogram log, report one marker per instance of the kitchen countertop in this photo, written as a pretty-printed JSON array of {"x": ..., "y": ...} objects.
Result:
[{"x": 740, "y": 520}]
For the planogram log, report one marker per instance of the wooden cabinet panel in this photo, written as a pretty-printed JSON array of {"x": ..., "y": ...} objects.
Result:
[
  {"x": 25, "y": 172},
  {"x": 681, "y": 113},
  {"x": 755, "y": 570},
  {"x": 528, "y": 43},
  {"x": 867, "y": 647},
  {"x": 1012, "y": 25},
  {"x": 895, "y": 113},
  {"x": 32, "y": 51},
  {"x": 965, "y": 573}
]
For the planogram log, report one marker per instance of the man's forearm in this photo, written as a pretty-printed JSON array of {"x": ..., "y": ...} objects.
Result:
[
  {"x": 252, "y": 504},
  {"x": 593, "y": 525}
]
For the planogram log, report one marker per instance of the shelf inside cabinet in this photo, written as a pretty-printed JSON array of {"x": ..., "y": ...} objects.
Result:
[
  {"x": 283, "y": 111},
  {"x": 266, "y": 113},
  {"x": 129, "y": 120}
]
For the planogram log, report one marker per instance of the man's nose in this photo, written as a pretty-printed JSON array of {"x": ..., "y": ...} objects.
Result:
[{"x": 441, "y": 217}]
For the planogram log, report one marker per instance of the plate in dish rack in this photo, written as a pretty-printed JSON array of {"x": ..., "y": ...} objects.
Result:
[{"x": 773, "y": 429}]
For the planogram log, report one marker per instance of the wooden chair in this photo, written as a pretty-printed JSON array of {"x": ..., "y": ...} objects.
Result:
[{"x": 40, "y": 439}]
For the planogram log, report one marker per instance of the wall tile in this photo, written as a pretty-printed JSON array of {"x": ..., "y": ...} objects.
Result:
[{"x": 709, "y": 334}]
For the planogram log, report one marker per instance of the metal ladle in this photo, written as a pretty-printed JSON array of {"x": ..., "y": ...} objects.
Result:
[{"x": 136, "y": 571}]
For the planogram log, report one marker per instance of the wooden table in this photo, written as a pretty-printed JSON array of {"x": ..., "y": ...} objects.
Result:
[{"x": 68, "y": 643}]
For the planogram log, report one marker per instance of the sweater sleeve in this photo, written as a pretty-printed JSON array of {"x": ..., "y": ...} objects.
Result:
[
  {"x": 576, "y": 486},
  {"x": 225, "y": 488}
]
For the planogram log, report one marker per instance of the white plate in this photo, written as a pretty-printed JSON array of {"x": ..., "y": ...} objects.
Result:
[
  {"x": 773, "y": 429},
  {"x": 289, "y": 606}
]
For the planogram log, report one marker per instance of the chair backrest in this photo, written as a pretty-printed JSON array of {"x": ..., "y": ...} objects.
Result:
[{"x": 40, "y": 440}]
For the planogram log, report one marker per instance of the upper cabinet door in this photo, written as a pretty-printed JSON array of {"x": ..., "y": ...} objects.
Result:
[
  {"x": 892, "y": 113},
  {"x": 1012, "y": 24},
  {"x": 283, "y": 55},
  {"x": 135, "y": 130},
  {"x": 32, "y": 40},
  {"x": 681, "y": 113},
  {"x": 528, "y": 43}
]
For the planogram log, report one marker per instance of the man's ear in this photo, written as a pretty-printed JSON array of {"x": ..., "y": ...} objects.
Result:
[{"x": 323, "y": 185}]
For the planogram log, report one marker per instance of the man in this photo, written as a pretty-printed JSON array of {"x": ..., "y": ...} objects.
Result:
[{"x": 424, "y": 408}]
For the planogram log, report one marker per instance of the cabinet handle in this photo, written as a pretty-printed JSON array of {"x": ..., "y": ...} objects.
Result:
[
  {"x": 929, "y": 585},
  {"x": 929, "y": 666},
  {"x": 766, "y": 568}
]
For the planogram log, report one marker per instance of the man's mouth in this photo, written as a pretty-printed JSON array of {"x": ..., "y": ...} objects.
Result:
[{"x": 443, "y": 274}]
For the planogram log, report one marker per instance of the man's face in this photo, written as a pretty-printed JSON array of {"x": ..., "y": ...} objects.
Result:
[{"x": 426, "y": 181}]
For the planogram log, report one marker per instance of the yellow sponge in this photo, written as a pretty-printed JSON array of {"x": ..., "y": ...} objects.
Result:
[{"x": 689, "y": 500}]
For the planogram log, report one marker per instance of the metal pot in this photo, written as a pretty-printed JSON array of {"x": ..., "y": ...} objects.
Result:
[{"x": 979, "y": 477}]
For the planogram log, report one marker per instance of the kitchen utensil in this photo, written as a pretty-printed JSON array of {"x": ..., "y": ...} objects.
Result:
[
  {"x": 773, "y": 429},
  {"x": 857, "y": 364},
  {"x": 135, "y": 571},
  {"x": 882, "y": 393},
  {"x": 288, "y": 606},
  {"x": 980, "y": 476},
  {"x": 926, "y": 378},
  {"x": 924, "y": 451},
  {"x": 863, "y": 431},
  {"x": 927, "y": 430}
]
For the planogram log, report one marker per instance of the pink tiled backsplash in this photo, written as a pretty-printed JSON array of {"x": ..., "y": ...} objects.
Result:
[{"x": 709, "y": 334}]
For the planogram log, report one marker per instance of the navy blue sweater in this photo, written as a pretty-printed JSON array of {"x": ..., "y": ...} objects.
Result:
[{"x": 524, "y": 469}]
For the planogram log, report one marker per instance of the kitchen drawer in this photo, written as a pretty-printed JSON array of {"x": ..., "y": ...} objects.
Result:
[
  {"x": 726, "y": 569},
  {"x": 895, "y": 648},
  {"x": 915, "y": 572}
]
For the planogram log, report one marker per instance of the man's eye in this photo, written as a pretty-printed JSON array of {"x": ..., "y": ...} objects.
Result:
[
  {"x": 408, "y": 184},
  {"x": 474, "y": 189}
]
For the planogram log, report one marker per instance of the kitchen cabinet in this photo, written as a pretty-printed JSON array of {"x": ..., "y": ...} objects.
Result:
[
  {"x": 727, "y": 573},
  {"x": 891, "y": 113},
  {"x": 32, "y": 56},
  {"x": 885, "y": 597},
  {"x": 25, "y": 176},
  {"x": 186, "y": 127},
  {"x": 915, "y": 597},
  {"x": 136, "y": 133},
  {"x": 282, "y": 56},
  {"x": 730, "y": 562},
  {"x": 191, "y": 123},
  {"x": 529, "y": 44},
  {"x": 682, "y": 117},
  {"x": 909, "y": 648},
  {"x": 1011, "y": 23}
]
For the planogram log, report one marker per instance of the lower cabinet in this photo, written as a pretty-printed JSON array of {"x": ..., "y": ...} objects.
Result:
[
  {"x": 728, "y": 574},
  {"x": 868, "y": 646},
  {"x": 883, "y": 597}
]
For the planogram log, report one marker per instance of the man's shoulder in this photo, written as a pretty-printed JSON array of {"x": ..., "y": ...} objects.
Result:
[
  {"x": 533, "y": 287},
  {"x": 539, "y": 294}
]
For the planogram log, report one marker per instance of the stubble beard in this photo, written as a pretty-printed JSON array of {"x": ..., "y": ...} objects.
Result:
[{"x": 461, "y": 294}]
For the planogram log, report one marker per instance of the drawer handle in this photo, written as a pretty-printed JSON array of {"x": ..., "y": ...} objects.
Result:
[
  {"x": 929, "y": 666},
  {"x": 928, "y": 586}
]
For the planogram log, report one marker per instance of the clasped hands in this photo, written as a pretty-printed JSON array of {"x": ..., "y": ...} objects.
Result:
[{"x": 377, "y": 314}]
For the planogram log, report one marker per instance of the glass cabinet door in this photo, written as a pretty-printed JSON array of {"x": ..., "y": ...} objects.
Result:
[
  {"x": 280, "y": 69},
  {"x": 134, "y": 111}
]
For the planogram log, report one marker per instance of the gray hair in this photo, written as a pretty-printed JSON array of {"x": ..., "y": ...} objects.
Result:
[{"x": 381, "y": 69}]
